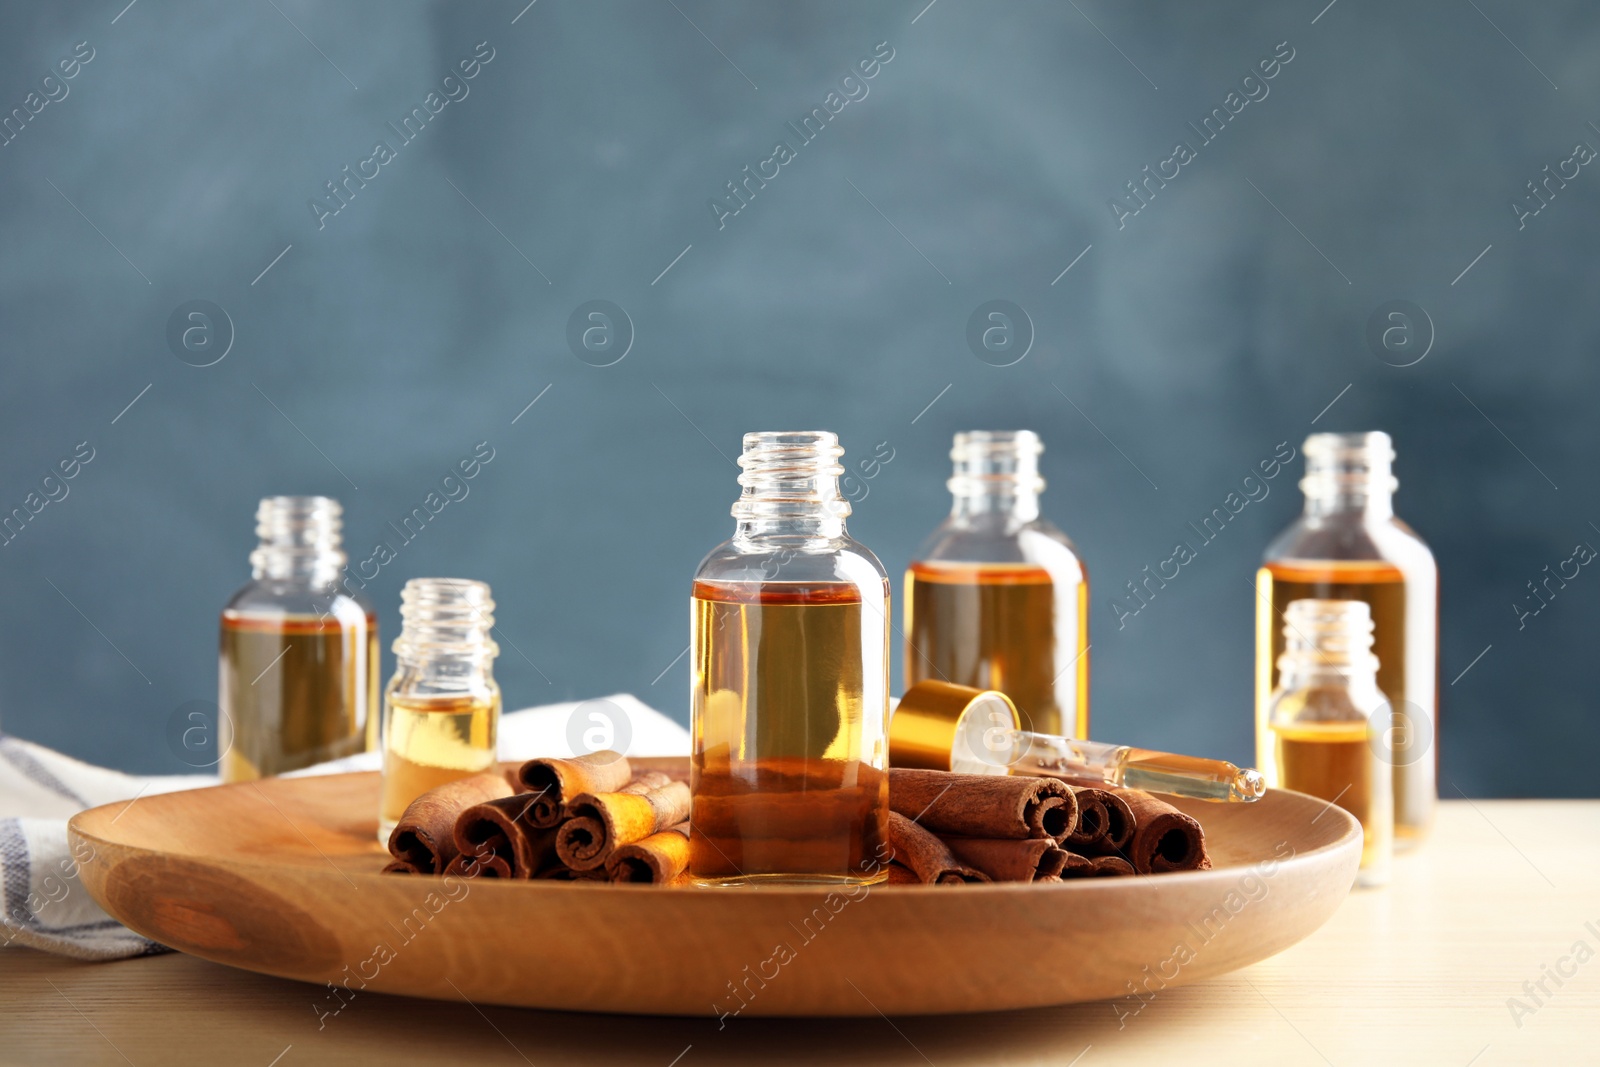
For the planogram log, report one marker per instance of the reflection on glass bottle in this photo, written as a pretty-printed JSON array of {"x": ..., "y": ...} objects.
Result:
[
  {"x": 441, "y": 712},
  {"x": 1327, "y": 724},
  {"x": 1348, "y": 545},
  {"x": 790, "y": 681},
  {"x": 298, "y": 662},
  {"x": 997, "y": 597}
]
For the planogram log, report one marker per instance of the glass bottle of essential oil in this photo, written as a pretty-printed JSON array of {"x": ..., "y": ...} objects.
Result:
[
  {"x": 997, "y": 597},
  {"x": 1348, "y": 545},
  {"x": 1327, "y": 723},
  {"x": 441, "y": 710},
  {"x": 298, "y": 662},
  {"x": 790, "y": 681}
]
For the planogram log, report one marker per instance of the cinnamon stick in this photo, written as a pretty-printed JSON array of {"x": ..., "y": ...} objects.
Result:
[
  {"x": 1164, "y": 838},
  {"x": 899, "y": 875},
  {"x": 926, "y": 855},
  {"x": 400, "y": 867},
  {"x": 554, "y": 782},
  {"x": 1029, "y": 860},
  {"x": 1105, "y": 822},
  {"x": 658, "y": 859},
  {"x": 1097, "y": 867},
  {"x": 600, "y": 823},
  {"x": 499, "y": 830},
  {"x": 488, "y": 865},
  {"x": 982, "y": 805},
  {"x": 425, "y": 835}
]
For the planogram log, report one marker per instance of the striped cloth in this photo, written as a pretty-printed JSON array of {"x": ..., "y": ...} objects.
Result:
[{"x": 42, "y": 903}]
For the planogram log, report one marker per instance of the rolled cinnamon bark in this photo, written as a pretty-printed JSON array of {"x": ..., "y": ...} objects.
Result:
[
  {"x": 899, "y": 875},
  {"x": 1115, "y": 821},
  {"x": 1164, "y": 838},
  {"x": 600, "y": 823},
  {"x": 658, "y": 859},
  {"x": 400, "y": 867},
  {"x": 488, "y": 865},
  {"x": 499, "y": 829},
  {"x": 554, "y": 782},
  {"x": 982, "y": 805},
  {"x": 1109, "y": 867},
  {"x": 926, "y": 855},
  {"x": 425, "y": 835},
  {"x": 1029, "y": 860},
  {"x": 1094, "y": 867},
  {"x": 567, "y": 874}
]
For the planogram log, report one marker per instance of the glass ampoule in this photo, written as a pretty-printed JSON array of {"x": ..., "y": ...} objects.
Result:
[
  {"x": 1327, "y": 722},
  {"x": 441, "y": 710},
  {"x": 298, "y": 656},
  {"x": 1348, "y": 545},
  {"x": 790, "y": 681},
  {"x": 997, "y": 597}
]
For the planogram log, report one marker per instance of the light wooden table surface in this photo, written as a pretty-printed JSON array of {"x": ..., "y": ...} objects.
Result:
[{"x": 1418, "y": 974}]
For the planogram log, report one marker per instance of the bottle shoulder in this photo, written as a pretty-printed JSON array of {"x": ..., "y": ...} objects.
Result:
[
  {"x": 1352, "y": 537},
  {"x": 770, "y": 560},
  {"x": 270, "y": 598},
  {"x": 1038, "y": 542}
]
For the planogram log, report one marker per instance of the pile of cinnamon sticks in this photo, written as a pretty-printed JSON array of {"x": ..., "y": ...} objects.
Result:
[
  {"x": 593, "y": 819},
  {"x": 949, "y": 829},
  {"x": 590, "y": 818}
]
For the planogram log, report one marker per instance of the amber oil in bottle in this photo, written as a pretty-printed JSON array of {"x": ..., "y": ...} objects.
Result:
[
  {"x": 789, "y": 689},
  {"x": 442, "y": 707}
]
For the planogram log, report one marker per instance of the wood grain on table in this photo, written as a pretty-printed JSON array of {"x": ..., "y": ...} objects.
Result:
[{"x": 1419, "y": 974}]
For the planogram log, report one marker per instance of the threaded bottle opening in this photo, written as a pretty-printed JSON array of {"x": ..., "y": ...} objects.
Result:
[
  {"x": 790, "y": 474},
  {"x": 1001, "y": 462},
  {"x": 1327, "y": 635},
  {"x": 1348, "y": 465},
  {"x": 300, "y": 537},
  {"x": 446, "y": 617}
]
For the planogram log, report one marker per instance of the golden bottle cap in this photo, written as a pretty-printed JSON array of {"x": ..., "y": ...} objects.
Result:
[{"x": 940, "y": 726}]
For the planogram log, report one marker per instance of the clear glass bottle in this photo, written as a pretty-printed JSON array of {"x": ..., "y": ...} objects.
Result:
[
  {"x": 997, "y": 597},
  {"x": 1348, "y": 545},
  {"x": 441, "y": 710},
  {"x": 1327, "y": 722},
  {"x": 790, "y": 681},
  {"x": 298, "y": 655}
]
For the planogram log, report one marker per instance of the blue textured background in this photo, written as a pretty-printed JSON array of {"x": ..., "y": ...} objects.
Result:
[{"x": 416, "y": 324}]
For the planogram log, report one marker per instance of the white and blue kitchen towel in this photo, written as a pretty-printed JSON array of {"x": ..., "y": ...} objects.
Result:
[{"x": 42, "y": 903}]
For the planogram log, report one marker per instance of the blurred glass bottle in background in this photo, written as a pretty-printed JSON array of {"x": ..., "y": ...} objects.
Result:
[
  {"x": 1326, "y": 720},
  {"x": 790, "y": 681},
  {"x": 996, "y": 597},
  {"x": 441, "y": 710},
  {"x": 298, "y": 663},
  {"x": 1348, "y": 545}
]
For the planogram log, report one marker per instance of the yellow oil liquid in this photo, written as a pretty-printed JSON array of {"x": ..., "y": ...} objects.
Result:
[
  {"x": 430, "y": 741},
  {"x": 296, "y": 690},
  {"x": 789, "y": 695},
  {"x": 1004, "y": 626},
  {"x": 1335, "y": 761}
]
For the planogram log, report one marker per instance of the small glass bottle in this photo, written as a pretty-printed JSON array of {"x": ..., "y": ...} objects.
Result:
[
  {"x": 1348, "y": 545},
  {"x": 996, "y": 597},
  {"x": 441, "y": 710},
  {"x": 790, "y": 681},
  {"x": 1327, "y": 723},
  {"x": 298, "y": 657}
]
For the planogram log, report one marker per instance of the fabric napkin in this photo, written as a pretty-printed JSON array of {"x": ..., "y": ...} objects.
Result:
[{"x": 42, "y": 903}]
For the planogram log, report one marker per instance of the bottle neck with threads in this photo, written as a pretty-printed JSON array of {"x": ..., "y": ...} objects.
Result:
[
  {"x": 791, "y": 489},
  {"x": 995, "y": 475},
  {"x": 300, "y": 540},
  {"x": 1327, "y": 643},
  {"x": 445, "y": 631},
  {"x": 1349, "y": 474}
]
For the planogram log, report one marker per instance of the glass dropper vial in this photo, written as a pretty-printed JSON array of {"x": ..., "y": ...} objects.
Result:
[{"x": 955, "y": 727}]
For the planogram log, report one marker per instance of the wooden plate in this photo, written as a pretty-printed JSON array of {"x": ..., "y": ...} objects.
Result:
[{"x": 281, "y": 877}]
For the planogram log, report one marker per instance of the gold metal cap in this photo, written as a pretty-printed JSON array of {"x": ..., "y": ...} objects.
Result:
[{"x": 933, "y": 719}]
